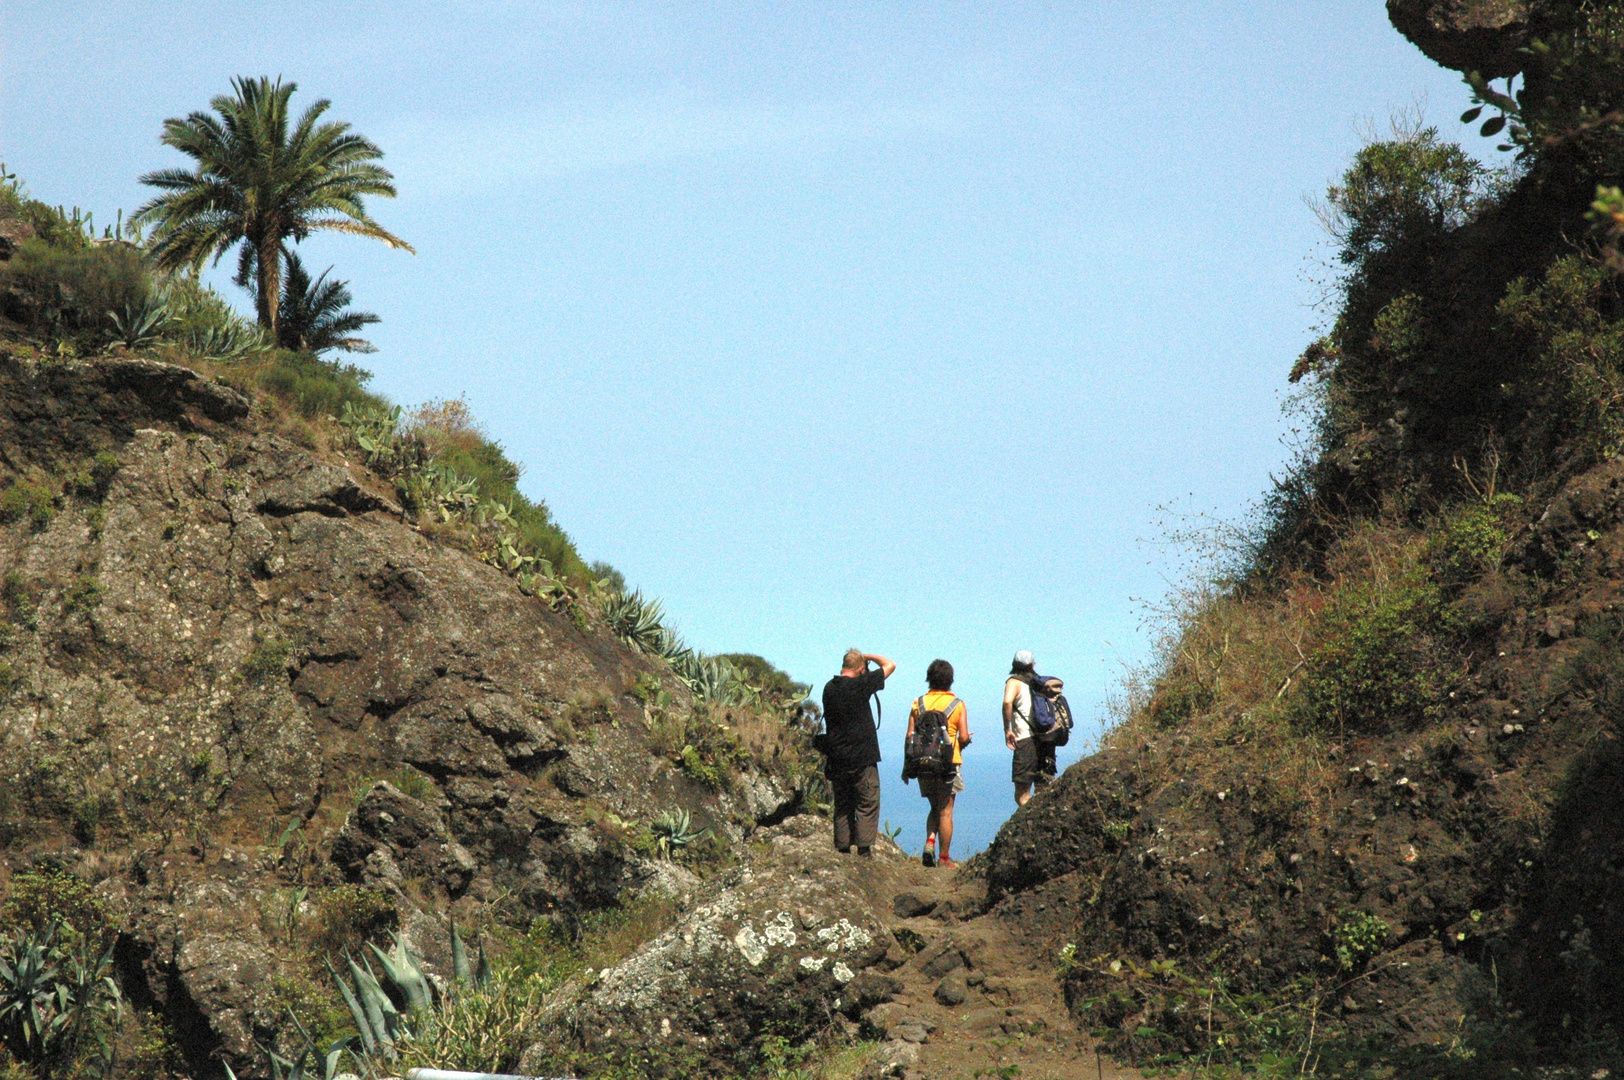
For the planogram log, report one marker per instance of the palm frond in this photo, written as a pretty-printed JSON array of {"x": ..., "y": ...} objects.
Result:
[
  {"x": 262, "y": 178},
  {"x": 315, "y": 315}
]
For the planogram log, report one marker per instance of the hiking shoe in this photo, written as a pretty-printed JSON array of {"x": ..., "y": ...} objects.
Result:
[
  {"x": 866, "y": 853},
  {"x": 947, "y": 864},
  {"x": 929, "y": 857}
]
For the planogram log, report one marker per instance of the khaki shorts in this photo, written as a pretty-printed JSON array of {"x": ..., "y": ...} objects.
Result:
[{"x": 930, "y": 786}]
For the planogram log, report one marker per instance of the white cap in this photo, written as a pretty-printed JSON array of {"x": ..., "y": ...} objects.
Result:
[{"x": 1024, "y": 658}]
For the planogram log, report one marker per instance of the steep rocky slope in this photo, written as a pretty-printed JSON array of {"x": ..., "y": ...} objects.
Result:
[{"x": 218, "y": 644}]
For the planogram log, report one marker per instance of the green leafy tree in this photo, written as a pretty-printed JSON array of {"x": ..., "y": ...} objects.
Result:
[
  {"x": 315, "y": 316},
  {"x": 262, "y": 179}
]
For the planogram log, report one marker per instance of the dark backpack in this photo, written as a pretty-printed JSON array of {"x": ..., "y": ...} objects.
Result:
[
  {"x": 929, "y": 750},
  {"x": 1051, "y": 717},
  {"x": 1058, "y": 732}
]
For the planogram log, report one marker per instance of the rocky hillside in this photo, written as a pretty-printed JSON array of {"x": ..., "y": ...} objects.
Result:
[
  {"x": 1362, "y": 818},
  {"x": 256, "y": 721},
  {"x": 252, "y": 706},
  {"x": 1436, "y": 883}
]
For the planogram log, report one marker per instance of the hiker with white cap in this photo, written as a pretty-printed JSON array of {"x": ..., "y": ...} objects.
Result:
[{"x": 1034, "y": 764}]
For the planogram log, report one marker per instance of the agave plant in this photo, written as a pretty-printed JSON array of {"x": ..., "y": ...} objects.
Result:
[
  {"x": 711, "y": 678},
  {"x": 637, "y": 621},
  {"x": 674, "y": 830},
  {"x": 230, "y": 341},
  {"x": 372, "y": 1000},
  {"x": 142, "y": 321},
  {"x": 669, "y": 644},
  {"x": 54, "y": 994}
]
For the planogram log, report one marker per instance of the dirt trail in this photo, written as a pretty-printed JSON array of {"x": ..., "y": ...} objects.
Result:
[{"x": 971, "y": 1001}]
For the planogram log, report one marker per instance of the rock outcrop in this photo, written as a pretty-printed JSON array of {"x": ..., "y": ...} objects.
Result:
[
  {"x": 779, "y": 945},
  {"x": 1467, "y": 35}
]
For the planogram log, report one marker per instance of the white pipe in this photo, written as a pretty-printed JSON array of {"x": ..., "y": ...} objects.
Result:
[{"x": 452, "y": 1074}]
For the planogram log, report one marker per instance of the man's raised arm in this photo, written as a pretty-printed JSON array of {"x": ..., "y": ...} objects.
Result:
[{"x": 886, "y": 666}]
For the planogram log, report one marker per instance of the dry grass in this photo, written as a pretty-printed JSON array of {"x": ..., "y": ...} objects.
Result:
[
  {"x": 484, "y": 1029},
  {"x": 1230, "y": 666},
  {"x": 445, "y": 426}
]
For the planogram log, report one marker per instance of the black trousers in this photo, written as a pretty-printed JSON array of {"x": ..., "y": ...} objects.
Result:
[{"x": 857, "y": 805}]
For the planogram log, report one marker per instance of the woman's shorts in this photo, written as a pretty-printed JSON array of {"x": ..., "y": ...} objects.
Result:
[
  {"x": 931, "y": 787},
  {"x": 1034, "y": 762}
]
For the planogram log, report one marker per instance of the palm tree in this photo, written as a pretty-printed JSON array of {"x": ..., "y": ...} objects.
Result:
[
  {"x": 258, "y": 184},
  {"x": 314, "y": 316}
]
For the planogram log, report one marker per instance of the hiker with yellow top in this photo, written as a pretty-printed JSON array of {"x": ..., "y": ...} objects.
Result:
[{"x": 938, "y": 732}]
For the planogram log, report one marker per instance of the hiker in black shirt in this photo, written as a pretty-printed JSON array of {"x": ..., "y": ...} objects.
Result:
[{"x": 853, "y": 747}]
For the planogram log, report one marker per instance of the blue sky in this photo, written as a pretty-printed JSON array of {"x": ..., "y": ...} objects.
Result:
[{"x": 880, "y": 324}]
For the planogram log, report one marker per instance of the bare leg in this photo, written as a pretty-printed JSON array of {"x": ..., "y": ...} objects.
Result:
[
  {"x": 944, "y": 834},
  {"x": 1022, "y": 793}
]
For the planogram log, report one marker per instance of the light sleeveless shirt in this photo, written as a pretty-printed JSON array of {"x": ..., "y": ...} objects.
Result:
[{"x": 1021, "y": 710}]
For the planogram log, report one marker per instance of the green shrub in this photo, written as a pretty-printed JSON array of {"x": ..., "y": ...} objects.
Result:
[
  {"x": 694, "y": 764},
  {"x": 1471, "y": 541},
  {"x": 19, "y": 599},
  {"x": 92, "y": 479},
  {"x": 67, "y": 291},
  {"x": 268, "y": 659},
  {"x": 35, "y": 502},
  {"x": 1357, "y": 937},
  {"x": 713, "y": 754},
  {"x": 497, "y": 478},
  {"x": 349, "y": 916},
  {"x": 310, "y": 999},
  {"x": 646, "y": 690},
  {"x": 1158, "y": 1015},
  {"x": 88, "y": 814},
  {"x": 414, "y": 783},
  {"x": 84, "y": 597},
  {"x": 38, "y": 900},
  {"x": 154, "y": 1051},
  {"x": 771, "y": 681},
  {"x": 1571, "y": 379},
  {"x": 1378, "y": 665},
  {"x": 1596, "y": 669},
  {"x": 558, "y": 949},
  {"x": 316, "y": 387},
  {"x": 1178, "y": 697}
]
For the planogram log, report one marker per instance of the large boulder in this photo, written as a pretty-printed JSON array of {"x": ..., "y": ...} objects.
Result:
[{"x": 391, "y": 835}]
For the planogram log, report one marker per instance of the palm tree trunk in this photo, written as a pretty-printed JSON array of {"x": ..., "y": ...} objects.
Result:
[{"x": 269, "y": 278}]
